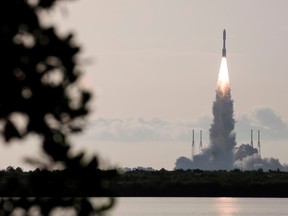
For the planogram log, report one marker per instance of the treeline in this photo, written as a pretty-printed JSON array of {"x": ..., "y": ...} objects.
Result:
[
  {"x": 64, "y": 183},
  {"x": 139, "y": 183},
  {"x": 198, "y": 183}
]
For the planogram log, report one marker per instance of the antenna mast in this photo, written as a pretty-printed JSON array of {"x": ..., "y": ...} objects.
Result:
[{"x": 200, "y": 146}]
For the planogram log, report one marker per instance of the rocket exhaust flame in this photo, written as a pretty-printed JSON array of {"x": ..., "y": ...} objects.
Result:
[{"x": 223, "y": 84}]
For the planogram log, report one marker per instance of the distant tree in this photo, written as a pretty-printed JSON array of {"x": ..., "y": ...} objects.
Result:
[
  {"x": 39, "y": 85},
  {"x": 19, "y": 170},
  {"x": 9, "y": 169}
]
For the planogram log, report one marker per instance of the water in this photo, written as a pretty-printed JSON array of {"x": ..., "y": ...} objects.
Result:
[{"x": 200, "y": 207}]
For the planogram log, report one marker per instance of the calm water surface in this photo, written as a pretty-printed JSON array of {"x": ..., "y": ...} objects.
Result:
[{"x": 200, "y": 207}]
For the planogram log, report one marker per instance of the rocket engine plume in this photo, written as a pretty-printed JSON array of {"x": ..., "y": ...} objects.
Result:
[
  {"x": 223, "y": 83},
  {"x": 222, "y": 136}
]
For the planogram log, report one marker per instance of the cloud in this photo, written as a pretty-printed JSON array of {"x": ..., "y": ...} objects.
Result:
[
  {"x": 141, "y": 130},
  {"x": 271, "y": 124}
]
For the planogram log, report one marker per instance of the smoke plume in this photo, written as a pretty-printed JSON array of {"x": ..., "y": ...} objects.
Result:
[{"x": 222, "y": 136}]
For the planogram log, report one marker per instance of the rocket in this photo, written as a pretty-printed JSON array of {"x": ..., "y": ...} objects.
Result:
[{"x": 224, "y": 40}]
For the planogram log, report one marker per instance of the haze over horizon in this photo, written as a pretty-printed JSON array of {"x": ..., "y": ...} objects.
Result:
[{"x": 154, "y": 72}]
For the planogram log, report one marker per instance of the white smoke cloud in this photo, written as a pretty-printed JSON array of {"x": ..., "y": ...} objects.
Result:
[
  {"x": 243, "y": 151},
  {"x": 252, "y": 162}
]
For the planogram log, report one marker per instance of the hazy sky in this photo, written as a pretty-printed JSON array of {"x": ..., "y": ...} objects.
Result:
[{"x": 154, "y": 72}]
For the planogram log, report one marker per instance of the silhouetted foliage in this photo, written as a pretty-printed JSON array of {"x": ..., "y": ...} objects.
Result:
[
  {"x": 38, "y": 85},
  {"x": 63, "y": 183},
  {"x": 199, "y": 183},
  {"x": 162, "y": 183}
]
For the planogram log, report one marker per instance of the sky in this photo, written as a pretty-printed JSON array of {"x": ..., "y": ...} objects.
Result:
[{"x": 153, "y": 66}]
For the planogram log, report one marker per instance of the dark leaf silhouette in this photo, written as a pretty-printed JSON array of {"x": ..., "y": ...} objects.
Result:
[{"x": 39, "y": 75}]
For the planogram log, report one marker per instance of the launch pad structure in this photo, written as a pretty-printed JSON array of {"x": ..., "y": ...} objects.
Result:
[{"x": 193, "y": 150}]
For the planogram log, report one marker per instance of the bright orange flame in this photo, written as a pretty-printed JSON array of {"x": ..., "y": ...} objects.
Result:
[{"x": 223, "y": 84}]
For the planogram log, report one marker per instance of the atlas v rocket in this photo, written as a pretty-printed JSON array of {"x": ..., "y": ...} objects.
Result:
[{"x": 224, "y": 47}]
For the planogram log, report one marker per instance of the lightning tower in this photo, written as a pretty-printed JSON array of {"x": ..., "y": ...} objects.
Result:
[
  {"x": 252, "y": 138},
  {"x": 200, "y": 146},
  {"x": 193, "y": 146}
]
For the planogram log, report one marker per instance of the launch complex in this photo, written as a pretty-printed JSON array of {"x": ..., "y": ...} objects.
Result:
[{"x": 222, "y": 152}]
